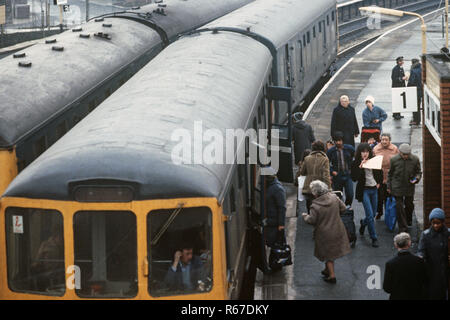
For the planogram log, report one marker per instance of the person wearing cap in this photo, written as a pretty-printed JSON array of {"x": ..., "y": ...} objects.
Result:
[
  {"x": 398, "y": 78},
  {"x": 341, "y": 159},
  {"x": 415, "y": 80},
  {"x": 303, "y": 136},
  {"x": 276, "y": 208},
  {"x": 373, "y": 116},
  {"x": 433, "y": 248},
  {"x": 405, "y": 275},
  {"x": 344, "y": 120},
  {"x": 404, "y": 174}
]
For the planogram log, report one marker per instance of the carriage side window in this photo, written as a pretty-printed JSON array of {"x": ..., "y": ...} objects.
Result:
[
  {"x": 61, "y": 129},
  {"x": 106, "y": 252},
  {"x": 332, "y": 15},
  {"x": 40, "y": 146},
  {"x": 304, "y": 40},
  {"x": 308, "y": 37},
  {"x": 35, "y": 251},
  {"x": 328, "y": 20},
  {"x": 180, "y": 251},
  {"x": 314, "y": 31}
]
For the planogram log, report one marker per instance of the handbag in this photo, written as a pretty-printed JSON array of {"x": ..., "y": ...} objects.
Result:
[
  {"x": 390, "y": 216},
  {"x": 280, "y": 253}
]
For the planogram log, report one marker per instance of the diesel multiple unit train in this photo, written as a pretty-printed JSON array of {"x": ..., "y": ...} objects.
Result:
[
  {"x": 110, "y": 207},
  {"x": 47, "y": 88}
]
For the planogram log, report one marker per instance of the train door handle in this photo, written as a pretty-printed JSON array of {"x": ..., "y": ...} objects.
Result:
[{"x": 145, "y": 267}]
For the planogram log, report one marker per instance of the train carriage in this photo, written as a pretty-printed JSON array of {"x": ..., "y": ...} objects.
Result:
[
  {"x": 112, "y": 202},
  {"x": 47, "y": 88}
]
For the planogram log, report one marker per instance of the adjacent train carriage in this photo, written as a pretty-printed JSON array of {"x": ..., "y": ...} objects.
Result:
[
  {"x": 108, "y": 209},
  {"x": 47, "y": 88}
]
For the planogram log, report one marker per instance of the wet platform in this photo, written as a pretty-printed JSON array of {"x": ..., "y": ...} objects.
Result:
[{"x": 368, "y": 73}]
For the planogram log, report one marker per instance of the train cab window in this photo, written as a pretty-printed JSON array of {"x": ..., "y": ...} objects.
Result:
[
  {"x": 106, "y": 252},
  {"x": 180, "y": 251},
  {"x": 35, "y": 251}
]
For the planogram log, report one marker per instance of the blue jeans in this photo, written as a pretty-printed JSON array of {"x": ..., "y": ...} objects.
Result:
[
  {"x": 370, "y": 203},
  {"x": 344, "y": 181}
]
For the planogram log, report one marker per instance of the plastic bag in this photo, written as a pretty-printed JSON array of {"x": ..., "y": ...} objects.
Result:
[
  {"x": 301, "y": 183},
  {"x": 390, "y": 216}
]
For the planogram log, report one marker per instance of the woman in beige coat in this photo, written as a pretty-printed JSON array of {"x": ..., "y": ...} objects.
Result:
[
  {"x": 316, "y": 166},
  {"x": 330, "y": 236}
]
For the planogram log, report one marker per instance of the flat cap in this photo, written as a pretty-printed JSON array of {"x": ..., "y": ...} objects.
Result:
[{"x": 405, "y": 148}]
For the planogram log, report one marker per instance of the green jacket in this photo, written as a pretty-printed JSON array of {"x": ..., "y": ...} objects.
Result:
[{"x": 401, "y": 172}]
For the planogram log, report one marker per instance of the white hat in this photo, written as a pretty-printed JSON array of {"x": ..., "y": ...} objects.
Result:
[{"x": 371, "y": 99}]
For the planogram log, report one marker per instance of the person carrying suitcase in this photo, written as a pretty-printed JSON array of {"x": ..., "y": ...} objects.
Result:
[{"x": 368, "y": 182}]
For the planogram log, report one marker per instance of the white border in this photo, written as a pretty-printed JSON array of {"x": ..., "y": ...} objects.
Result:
[{"x": 429, "y": 125}]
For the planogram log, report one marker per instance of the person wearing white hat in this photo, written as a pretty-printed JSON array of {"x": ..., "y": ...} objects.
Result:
[{"x": 373, "y": 116}]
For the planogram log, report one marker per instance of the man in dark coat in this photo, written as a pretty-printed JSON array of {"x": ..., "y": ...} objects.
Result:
[
  {"x": 276, "y": 209},
  {"x": 303, "y": 136},
  {"x": 344, "y": 120},
  {"x": 341, "y": 159},
  {"x": 405, "y": 275},
  {"x": 185, "y": 271},
  {"x": 398, "y": 80},
  {"x": 415, "y": 80},
  {"x": 404, "y": 174},
  {"x": 433, "y": 247}
]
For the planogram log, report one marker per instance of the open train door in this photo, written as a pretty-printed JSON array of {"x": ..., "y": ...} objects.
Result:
[{"x": 280, "y": 131}]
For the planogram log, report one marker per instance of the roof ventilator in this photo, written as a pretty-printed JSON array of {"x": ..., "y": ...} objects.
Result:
[
  {"x": 50, "y": 41},
  {"x": 135, "y": 8},
  {"x": 85, "y": 35},
  {"x": 99, "y": 20},
  {"x": 102, "y": 35},
  {"x": 107, "y": 25},
  {"x": 160, "y": 11},
  {"x": 25, "y": 64},
  {"x": 57, "y": 48},
  {"x": 77, "y": 29},
  {"x": 19, "y": 55}
]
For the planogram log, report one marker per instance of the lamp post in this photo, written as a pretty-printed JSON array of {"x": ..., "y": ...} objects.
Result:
[{"x": 400, "y": 13}]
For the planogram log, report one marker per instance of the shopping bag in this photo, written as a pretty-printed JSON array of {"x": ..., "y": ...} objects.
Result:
[
  {"x": 390, "y": 215},
  {"x": 280, "y": 253},
  {"x": 301, "y": 183}
]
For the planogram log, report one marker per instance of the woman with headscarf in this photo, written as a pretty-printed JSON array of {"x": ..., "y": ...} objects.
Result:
[
  {"x": 330, "y": 236},
  {"x": 433, "y": 248}
]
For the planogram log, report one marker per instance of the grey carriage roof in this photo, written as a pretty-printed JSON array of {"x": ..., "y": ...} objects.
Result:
[
  {"x": 277, "y": 20},
  {"x": 213, "y": 78},
  {"x": 30, "y": 96}
]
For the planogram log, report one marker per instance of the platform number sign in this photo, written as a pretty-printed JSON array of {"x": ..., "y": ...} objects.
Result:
[
  {"x": 404, "y": 99},
  {"x": 17, "y": 222}
]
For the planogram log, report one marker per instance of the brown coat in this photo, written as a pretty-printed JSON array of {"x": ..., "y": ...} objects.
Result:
[
  {"x": 387, "y": 154},
  {"x": 315, "y": 167},
  {"x": 331, "y": 240}
]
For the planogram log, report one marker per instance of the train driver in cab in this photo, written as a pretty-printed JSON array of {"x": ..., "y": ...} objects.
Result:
[{"x": 187, "y": 271}]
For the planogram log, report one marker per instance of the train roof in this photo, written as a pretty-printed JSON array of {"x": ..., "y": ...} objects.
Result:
[
  {"x": 31, "y": 96},
  {"x": 213, "y": 78},
  {"x": 271, "y": 19}
]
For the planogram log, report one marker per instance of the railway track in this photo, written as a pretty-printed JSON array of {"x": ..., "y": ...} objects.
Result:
[{"x": 350, "y": 32}]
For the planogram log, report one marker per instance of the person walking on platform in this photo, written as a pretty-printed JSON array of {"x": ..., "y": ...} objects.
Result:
[
  {"x": 415, "y": 80},
  {"x": 387, "y": 150},
  {"x": 404, "y": 174},
  {"x": 344, "y": 120},
  {"x": 330, "y": 236},
  {"x": 341, "y": 158},
  {"x": 369, "y": 180},
  {"x": 405, "y": 275},
  {"x": 373, "y": 116},
  {"x": 433, "y": 248},
  {"x": 398, "y": 80},
  {"x": 303, "y": 136},
  {"x": 315, "y": 167}
]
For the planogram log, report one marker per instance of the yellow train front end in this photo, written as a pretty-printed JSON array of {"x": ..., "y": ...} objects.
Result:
[
  {"x": 8, "y": 167},
  {"x": 123, "y": 250}
]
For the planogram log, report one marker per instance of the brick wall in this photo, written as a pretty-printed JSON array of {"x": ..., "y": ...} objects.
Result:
[{"x": 445, "y": 147}]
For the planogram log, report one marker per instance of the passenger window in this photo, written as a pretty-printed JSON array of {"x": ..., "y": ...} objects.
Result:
[
  {"x": 35, "y": 251},
  {"x": 107, "y": 93},
  {"x": 106, "y": 251},
  {"x": 180, "y": 251},
  {"x": 320, "y": 26},
  {"x": 92, "y": 105},
  {"x": 61, "y": 129},
  {"x": 40, "y": 146},
  {"x": 332, "y": 15},
  {"x": 314, "y": 31},
  {"x": 328, "y": 20},
  {"x": 304, "y": 40},
  {"x": 308, "y": 37}
]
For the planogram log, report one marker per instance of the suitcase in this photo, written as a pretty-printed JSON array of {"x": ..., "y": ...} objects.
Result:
[{"x": 349, "y": 223}]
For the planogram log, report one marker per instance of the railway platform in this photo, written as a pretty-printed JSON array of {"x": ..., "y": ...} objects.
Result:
[{"x": 367, "y": 73}]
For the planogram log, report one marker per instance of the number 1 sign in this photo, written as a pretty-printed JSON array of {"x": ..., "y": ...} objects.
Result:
[{"x": 404, "y": 99}]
